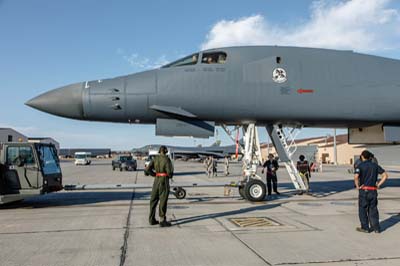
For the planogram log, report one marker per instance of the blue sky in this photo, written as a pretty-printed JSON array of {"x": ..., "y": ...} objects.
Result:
[{"x": 45, "y": 44}]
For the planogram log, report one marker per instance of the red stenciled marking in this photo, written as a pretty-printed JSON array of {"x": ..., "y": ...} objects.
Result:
[{"x": 301, "y": 91}]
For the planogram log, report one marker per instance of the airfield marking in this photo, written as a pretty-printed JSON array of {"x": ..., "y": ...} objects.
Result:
[
  {"x": 124, "y": 247},
  {"x": 241, "y": 241},
  {"x": 254, "y": 222}
]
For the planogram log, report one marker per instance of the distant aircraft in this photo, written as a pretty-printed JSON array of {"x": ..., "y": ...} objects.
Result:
[
  {"x": 279, "y": 88},
  {"x": 186, "y": 153}
]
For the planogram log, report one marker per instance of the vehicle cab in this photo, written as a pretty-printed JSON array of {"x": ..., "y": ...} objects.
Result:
[{"x": 28, "y": 169}]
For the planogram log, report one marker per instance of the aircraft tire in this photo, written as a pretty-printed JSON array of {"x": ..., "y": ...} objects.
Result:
[{"x": 255, "y": 190}]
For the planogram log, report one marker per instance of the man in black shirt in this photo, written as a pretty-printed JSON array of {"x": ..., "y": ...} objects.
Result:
[
  {"x": 272, "y": 166},
  {"x": 366, "y": 181},
  {"x": 304, "y": 168}
]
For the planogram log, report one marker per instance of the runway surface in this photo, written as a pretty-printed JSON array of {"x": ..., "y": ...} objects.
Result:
[{"x": 111, "y": 227}]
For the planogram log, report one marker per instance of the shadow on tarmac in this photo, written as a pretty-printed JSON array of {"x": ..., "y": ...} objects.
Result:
[
  {"x": 390, "y": 222},
  {"x": 321, "y": 189},
  {"x": 189, "y": 173},
  {"x": 75, "y": 198},
  {"x": 223, "y": 214}
]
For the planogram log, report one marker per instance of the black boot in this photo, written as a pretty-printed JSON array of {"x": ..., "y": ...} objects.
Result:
[
  {"x": 165, "y": 223},
  {"x": 153, "y": 222}
]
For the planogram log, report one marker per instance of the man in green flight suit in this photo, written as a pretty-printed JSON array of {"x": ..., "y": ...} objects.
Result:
[{"x": 161, "y": 168}]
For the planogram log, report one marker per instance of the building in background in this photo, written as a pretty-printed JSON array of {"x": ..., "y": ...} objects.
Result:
[
  {"x": 11, "y": 135},
  {"x": 45, "y": 140},
  {"x": 321, "y": 149},
  {"x": 69, "y": 153}
]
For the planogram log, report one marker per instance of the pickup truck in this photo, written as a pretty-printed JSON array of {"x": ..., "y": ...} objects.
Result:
[{"x": 124, "y": 162}]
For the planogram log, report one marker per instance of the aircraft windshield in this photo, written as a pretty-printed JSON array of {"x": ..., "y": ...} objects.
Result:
[
  {"x": 214, "y": 58},
  {"x": 49, "y": 160},
  {"x": 189, "y": 60}
]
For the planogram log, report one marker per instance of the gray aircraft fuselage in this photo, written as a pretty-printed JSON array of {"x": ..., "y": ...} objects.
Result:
[{"x": 315, "y": 88}]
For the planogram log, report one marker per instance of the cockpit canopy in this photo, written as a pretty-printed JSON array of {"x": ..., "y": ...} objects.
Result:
[{"x": 207, "y": 58}]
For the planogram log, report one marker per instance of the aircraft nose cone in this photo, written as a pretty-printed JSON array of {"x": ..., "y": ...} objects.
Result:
[{"x": 65, "y": 101}]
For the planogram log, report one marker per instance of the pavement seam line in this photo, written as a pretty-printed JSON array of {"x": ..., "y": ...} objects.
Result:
[
  {"x": 124, "y": 246},
  {"x": 337, "y": 261},
  {"x": 62, "y": 231},
  {"x": 243, "y": 243}
]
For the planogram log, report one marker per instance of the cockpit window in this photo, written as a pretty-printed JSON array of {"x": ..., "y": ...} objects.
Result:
[
  {"x": 214, "y": 58},
  {"x": 187, "y": 61}
]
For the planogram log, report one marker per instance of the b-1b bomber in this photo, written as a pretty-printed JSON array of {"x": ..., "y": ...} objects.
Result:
[{"x": 280, "y": 88}]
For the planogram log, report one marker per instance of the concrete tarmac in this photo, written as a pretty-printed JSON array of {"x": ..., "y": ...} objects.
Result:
[{"x": 111, "y": 227}]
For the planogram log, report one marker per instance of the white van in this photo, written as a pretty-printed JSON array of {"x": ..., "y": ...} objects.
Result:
[
  {"x": 153, "y": 153},
  {"x": 83, "y": 158}
]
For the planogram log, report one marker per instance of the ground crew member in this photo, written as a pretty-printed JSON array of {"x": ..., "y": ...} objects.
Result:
[
  {"x": 214, "y": 167},
  {"x": 272, "y": 166},
  {"x": 366, "y": 181},
  {"x": 206, "y": 165},
  {"x": 226, "y": 164},
  {"x": 305, "y": 171},
  {"x": 161, "y": 168},
  {"x": 357, "y": 163},
  {"x": 210, "y": 166},
  {"x": 373, "y": 159}
]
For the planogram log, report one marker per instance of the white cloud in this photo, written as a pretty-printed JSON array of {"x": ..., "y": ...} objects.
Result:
[
  {"x": 140, "y": 62},
  {"x": 357, "y": 24}
]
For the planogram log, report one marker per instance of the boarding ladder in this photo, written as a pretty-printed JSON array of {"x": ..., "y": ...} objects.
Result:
[{"x": 286, "y": 146}]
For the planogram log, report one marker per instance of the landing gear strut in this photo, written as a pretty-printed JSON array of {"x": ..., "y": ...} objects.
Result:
[{"x": 251, "y": 187}]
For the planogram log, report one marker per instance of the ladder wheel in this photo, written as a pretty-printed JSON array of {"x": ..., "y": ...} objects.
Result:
[
  {"x": 179, "y": 193},
  {"x": 255, "y": 190}
]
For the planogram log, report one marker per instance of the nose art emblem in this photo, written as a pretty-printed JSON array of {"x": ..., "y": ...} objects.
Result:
[{"x": 279, "y": 75}]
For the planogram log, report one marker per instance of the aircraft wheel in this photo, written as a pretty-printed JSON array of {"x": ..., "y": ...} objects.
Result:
[
  {"x": 120, "y": 169},
  {"x": 113, "y": 168},
  {"x": 241, "y": 192},
  {"x": 179, "y": 193},
  {"x": 255, "y": 190}
]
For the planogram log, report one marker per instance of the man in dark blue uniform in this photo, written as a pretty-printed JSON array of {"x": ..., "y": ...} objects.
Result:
[
  {"x": 366, "y": 181},
  {"x": 272, "y": 166}
]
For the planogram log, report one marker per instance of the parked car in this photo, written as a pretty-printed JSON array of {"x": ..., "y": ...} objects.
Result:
[{"x": 124, "y": 162}]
